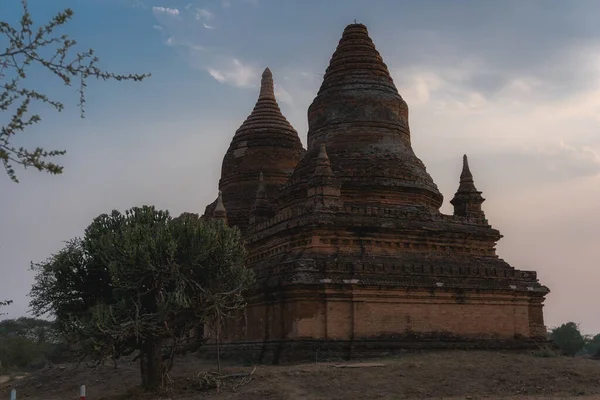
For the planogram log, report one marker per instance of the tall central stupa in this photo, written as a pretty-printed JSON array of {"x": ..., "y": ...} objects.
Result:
[{"x": 349, "y": 247}]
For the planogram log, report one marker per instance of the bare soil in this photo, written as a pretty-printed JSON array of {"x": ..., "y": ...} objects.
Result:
[{"x": 435, "y": 375}]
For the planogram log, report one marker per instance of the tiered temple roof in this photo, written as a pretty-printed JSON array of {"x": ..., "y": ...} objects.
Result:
[
  {"x": 264, "y": 144},
  {"x": 362, "y": 119}
]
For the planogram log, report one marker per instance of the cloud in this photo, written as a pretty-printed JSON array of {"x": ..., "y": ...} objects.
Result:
[
  {"x": 570, "y": 160},
  {"x": 194, "y": 46},
  {"x": 171, "y": 41},
  {"x": 229, "y": 3},
  {"x": 527, "y": 167},
  {"x": 235, "y": 73},
  {"x": 203, "y": 14},
  {"x": 283, "y": 95},
  {"x": 158, "y": 27},
  {"x": 166, "y": 10},
  {"x": 138, "y": 4}
]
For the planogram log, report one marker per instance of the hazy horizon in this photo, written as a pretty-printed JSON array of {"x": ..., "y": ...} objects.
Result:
[{"x": 514, "y": 85}]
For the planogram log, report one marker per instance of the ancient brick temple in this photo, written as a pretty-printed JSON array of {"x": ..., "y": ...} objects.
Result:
[{"x": 346, "y": 238}]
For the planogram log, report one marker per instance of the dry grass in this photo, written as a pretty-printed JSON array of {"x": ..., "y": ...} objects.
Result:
[{"x": 449, "y": 375}]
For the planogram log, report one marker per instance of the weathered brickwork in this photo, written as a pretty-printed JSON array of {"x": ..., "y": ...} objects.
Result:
[
  {"x": 347, "y": 240},
  {"x": 356, "y": 312}
]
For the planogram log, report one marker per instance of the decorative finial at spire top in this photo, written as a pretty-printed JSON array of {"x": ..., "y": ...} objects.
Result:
[
  {"x": 466, "y": 171},
  {"x": 266, "y": 84}
]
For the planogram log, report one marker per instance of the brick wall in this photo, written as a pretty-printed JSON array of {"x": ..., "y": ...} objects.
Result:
[{"x": 363, "y": 314}]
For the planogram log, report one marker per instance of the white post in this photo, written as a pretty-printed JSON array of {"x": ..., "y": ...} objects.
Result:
[
  {"x": 82, "y": 392},
  {"x": 13, "y": 394}
]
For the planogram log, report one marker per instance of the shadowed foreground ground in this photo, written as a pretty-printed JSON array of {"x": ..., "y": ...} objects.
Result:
[{"x": 437, "y": 375}]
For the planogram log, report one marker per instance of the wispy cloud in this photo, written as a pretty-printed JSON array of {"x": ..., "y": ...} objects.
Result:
[
  {"x": 166, "y": 10},
  {"x": 230, "y": 3},
  {"x": 283, "y": 95},
  {"x": 138, "y": 4},
  {"x": 203, "y": 14},
  {"x": 235, "y": 73},
  {"x": 173, "y": 42},
  {"x": 223, "y": 65}
]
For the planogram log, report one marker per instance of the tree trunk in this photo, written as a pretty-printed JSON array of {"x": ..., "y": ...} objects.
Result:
[
  {"x": 218, "y": 346},
  {"x": 151, "y": 364}
]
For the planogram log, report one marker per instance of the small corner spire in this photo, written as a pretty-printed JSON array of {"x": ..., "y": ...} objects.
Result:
[
  {"x": 220, "y": 212},
  {"x": 322, "y": 163},
  {"x": 324, "y": 187},
  {"x": 262, "y": 208},
  {"x": 323, "y": 152},
  {"x": 467, "y": 199}
]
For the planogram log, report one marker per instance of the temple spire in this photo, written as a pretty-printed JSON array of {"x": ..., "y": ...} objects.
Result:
[
  {"x": 466, "y": 177},
  {"x": 360, "y": 116},
  {"x": 266, "y": 114},
  {"x": 220, "y": 212},
  {"x": 467, "y": 200},
  {"x": 265, "y": 142}
]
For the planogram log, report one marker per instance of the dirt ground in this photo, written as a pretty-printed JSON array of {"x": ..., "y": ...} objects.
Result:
[{"x": 436, "y": 375}]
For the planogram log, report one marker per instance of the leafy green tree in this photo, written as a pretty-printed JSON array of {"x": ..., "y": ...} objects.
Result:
[
  {"x": 568, "y": 338},
  {"x": 141, "y": 282},
  {"x": 20, "y": 353},
  {"x": 592, "y": 345},
  {"x": 29, "y": 343},
  {"x": 24, "y": 49},
  {"x": 36, "y": 330}
]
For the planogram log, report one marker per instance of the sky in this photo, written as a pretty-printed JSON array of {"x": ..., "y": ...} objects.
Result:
[{"x": 514, "y": 84}]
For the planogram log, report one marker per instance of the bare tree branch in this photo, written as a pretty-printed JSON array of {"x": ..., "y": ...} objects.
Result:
[{"x": 26, "y": 48}]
